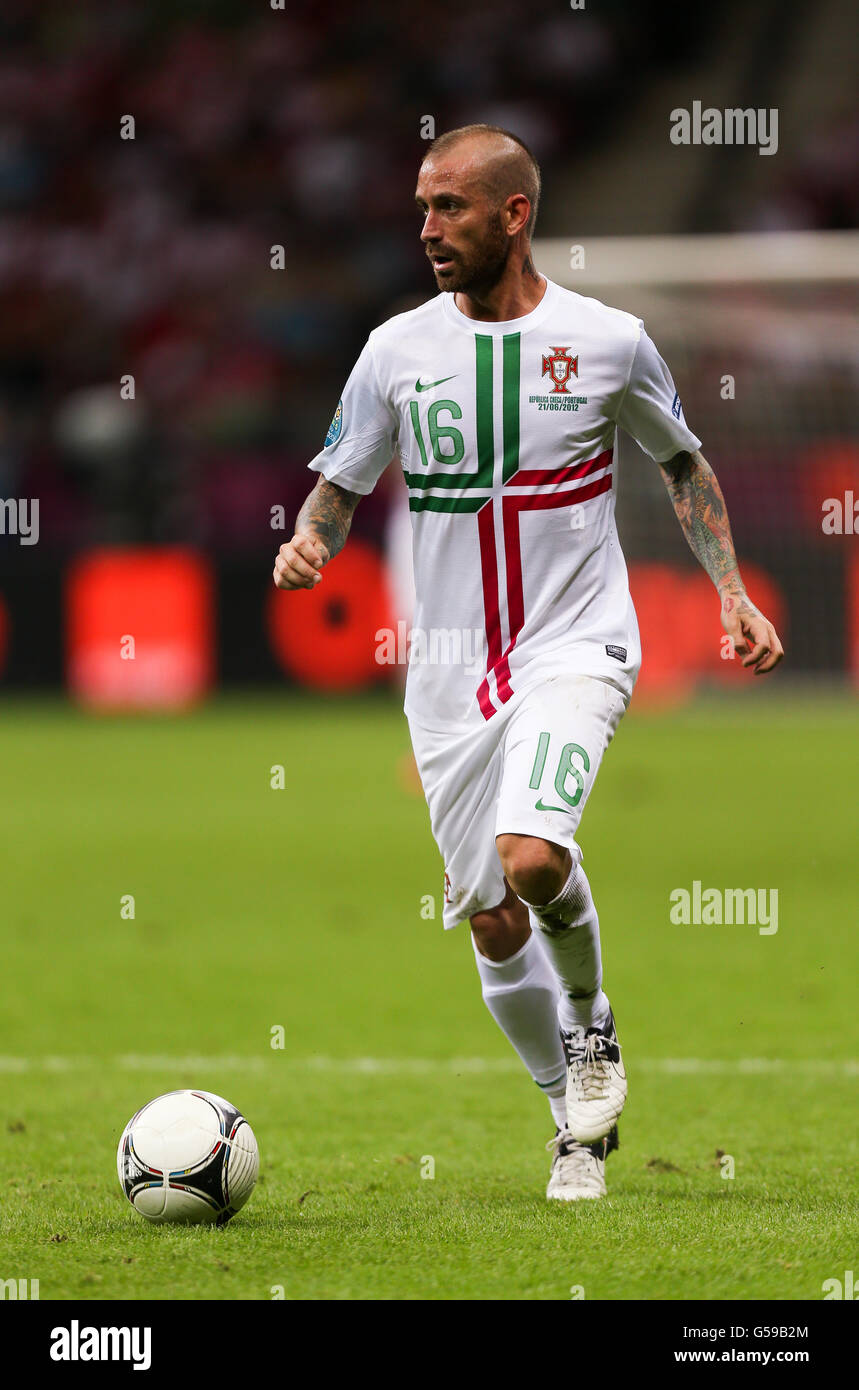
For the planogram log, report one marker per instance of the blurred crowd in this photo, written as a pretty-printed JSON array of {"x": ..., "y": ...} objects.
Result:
[{"x": 145, "y": 263}]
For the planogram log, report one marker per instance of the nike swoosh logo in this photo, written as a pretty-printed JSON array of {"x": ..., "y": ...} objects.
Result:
[
  {"x": 539, "y": 806},
  {"x": 427, "y": 386}
]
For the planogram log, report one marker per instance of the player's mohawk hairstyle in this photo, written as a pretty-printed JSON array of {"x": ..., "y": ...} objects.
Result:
[{"x": 511, "y": 171}]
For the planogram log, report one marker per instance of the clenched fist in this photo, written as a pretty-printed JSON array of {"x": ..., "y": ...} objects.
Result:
[{"x": 299, "y": 563}]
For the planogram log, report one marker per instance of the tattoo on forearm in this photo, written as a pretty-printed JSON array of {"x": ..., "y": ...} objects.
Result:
[
  {"x": 327, "y": 514},
  {"x": 700, "y": 506}
]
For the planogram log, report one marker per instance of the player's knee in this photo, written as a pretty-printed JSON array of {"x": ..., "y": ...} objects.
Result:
[{"x": 535, "y": 869}]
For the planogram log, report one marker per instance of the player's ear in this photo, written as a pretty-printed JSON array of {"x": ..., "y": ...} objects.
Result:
[{"x": 518, "y": 211}]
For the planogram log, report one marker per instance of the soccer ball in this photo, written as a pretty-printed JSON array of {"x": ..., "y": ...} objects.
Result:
[{"x": 188, "y": 1157}]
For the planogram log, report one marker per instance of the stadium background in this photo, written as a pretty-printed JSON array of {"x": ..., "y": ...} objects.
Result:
[
  {"x": 306, "y": 908},
  {"x": 301, "y": 129}
]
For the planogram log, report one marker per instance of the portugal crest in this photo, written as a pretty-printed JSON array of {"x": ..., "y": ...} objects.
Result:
[{"x": 560, "y": 367}]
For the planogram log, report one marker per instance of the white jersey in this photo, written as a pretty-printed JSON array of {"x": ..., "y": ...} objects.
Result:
[{"x": 507, "y": 435}]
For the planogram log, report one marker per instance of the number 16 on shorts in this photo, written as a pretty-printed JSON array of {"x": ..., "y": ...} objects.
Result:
[{"x": 569, "y": 782}]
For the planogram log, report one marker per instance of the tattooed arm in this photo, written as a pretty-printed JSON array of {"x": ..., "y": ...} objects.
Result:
[
  {"x": 694, "y": 490},
  {"x": 320, "y": 533}
]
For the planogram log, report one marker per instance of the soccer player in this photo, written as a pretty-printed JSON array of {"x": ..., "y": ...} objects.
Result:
[{"x": 503, "y": 395}]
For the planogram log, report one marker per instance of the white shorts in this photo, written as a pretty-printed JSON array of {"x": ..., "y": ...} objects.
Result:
[{"x": 528, "y": 771}]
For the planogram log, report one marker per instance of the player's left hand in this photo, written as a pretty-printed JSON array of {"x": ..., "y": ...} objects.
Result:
[{"x": 752, "y": 634}]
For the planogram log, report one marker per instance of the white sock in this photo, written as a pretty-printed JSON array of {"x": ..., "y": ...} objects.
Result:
[
  {"x": 558, "y": 1106},
  {"x": 521, "y": 993},
  {"x": 570, "y": 933}
]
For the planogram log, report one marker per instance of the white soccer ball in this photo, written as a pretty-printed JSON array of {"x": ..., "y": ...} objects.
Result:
[{"x": 188, "y": 1157}]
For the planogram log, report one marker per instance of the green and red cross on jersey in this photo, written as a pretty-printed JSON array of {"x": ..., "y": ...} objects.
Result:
[{"x": 507, "y": 436}]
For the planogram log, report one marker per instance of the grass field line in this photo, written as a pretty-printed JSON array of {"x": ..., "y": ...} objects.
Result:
[{"x": 416, "y": 1066}]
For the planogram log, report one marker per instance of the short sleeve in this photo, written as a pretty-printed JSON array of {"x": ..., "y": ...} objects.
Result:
[
  {"x": 650, "y": 410},
  {"x": 361, "y": 438}
]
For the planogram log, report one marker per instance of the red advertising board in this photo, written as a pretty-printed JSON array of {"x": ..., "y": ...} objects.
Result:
[{"x": 139, "y": 628}]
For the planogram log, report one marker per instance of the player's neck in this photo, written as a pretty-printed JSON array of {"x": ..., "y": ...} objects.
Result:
[{"x": 512, "y": 298}]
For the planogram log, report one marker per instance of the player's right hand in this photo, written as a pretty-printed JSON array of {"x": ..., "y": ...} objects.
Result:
[{"x": 299, "y": 563}]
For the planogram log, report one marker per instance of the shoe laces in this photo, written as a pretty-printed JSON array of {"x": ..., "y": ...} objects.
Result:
[
  {"x": 575, "y": 1162},
  {"x": 593, "y": 1058}
]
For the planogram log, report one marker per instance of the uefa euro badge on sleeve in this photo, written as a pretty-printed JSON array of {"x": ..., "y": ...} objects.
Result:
[{"x": 336, "y": 426}]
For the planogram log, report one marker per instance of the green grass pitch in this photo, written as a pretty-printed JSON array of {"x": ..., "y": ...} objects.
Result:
[{"x": 301, "y": 909}]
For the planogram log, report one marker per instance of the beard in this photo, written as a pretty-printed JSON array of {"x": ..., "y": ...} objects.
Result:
[{"x": 479, "y": 271}]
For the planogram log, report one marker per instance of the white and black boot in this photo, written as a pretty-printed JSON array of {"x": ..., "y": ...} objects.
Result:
[
  {"x": 596, "y": 1081},
  {"x": 578, "y": 1170}
]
